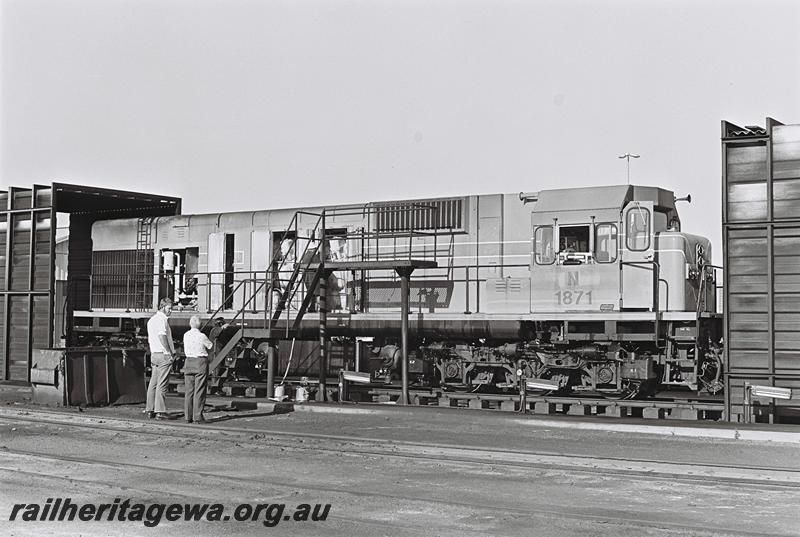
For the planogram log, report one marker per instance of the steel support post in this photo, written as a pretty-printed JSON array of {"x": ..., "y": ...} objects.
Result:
[
  {"x": 271, "y": 365},
  {"x": 86, "y": 380},
  {"x": 405, "y": 276},
  {"x": 108, "y": 379},
  {"x": 353, "y": 292},
  {"x": 323, "y": 335},
  {"x": 746, "y": 403},
  {"x": 523, "y": 392}
]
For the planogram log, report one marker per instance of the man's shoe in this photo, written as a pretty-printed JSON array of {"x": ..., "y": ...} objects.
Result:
[
  {"x": 201, "y": 420},
  {"x": 150, "y": 414},
  {"x": 189, "y": 421},
  {"x": 161, "y": 416}
]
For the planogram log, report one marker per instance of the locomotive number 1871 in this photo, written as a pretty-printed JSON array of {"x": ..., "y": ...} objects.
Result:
[{"x": 573, "y": 297}]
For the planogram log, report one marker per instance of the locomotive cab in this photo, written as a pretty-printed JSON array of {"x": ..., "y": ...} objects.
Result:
[
  {"x": 615, "y": 249},
  {"x": 619, "y": 293}
]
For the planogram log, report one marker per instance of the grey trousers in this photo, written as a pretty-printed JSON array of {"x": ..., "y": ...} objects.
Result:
[
  {"x": 159, "y": 379},
  {"x": 195, "y": 387}
]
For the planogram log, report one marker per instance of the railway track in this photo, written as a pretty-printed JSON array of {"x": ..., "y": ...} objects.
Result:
[
  {"x": 52, "y": 467},
  {"x": 25, "y": 457},
  {"x": 754, "y": 475},
  {"x": 675, "y": 405}
]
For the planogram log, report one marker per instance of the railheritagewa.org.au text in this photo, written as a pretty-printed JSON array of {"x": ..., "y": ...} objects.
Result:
[{"x": 152, "y": 514}]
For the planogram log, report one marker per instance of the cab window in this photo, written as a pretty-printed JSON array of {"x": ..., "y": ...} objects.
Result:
[
  {"x": 573, "y": 239},
  {"x": 605, "y": 243},
  {"x": 574, "y": 246},
  {"x": 543, "y": 245},
  {"x": 637, "y": 229}
]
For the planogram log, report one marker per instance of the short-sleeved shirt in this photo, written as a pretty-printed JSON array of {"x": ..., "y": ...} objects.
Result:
[
  {"x": 158, "y": 326},
  {"x": 195, "y": 343}
]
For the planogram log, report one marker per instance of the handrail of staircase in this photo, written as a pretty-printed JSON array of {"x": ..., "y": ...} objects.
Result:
[
  {"x": 293, "y": 223},
  {"x": 275, "y": 269},
  {"x": 288, "y": 294},
  {"x": 291, "y": 290},
  {"x": 225, "y": 299},
  {"x": 249, "y": 300}
]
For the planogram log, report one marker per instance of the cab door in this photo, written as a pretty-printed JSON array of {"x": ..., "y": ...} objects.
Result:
[
  {"x": 260, "y": 249},
  {"x": 216, "y": 269},
  {"x": 638, "y": 267}
]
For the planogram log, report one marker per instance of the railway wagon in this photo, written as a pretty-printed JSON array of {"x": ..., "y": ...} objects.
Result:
[
  {"x": 591, "y": 289},
  {"x": 34, "y": 263},
  {"x": 761, "y": 236}
]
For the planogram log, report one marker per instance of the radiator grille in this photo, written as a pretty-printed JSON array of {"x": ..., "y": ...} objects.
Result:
[
  {"x": 421, "y": 215},
  {"x": 114, "y": 279}
]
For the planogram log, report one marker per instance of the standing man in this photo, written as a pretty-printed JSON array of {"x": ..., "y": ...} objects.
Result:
[
  {"x": 162, "y": 353},
  {"x": 195, "y": 371}
]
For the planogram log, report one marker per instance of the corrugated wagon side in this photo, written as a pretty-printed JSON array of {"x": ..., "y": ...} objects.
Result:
[{"x": 761, "y": 234}]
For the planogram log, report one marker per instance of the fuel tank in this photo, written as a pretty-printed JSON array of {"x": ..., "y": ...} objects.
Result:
[{"x": 419, "y": 325}]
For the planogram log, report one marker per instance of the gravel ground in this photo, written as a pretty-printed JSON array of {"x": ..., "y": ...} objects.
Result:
[{"x": 399, "y": 487}]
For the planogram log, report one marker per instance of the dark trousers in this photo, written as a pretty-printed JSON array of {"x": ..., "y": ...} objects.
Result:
[{"x": 195, "y": 378}]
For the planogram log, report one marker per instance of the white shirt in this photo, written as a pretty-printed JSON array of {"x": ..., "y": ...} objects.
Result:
[
  {"x": 195, "y": 343},
  {"x": 158, "y": 326}
]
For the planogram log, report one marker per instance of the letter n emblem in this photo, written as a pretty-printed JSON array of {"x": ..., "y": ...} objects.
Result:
[{"x": 572, "y": 279}]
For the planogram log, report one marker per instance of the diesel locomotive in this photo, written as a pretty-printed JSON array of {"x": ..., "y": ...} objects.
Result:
[{"x": 593, "y": 290}]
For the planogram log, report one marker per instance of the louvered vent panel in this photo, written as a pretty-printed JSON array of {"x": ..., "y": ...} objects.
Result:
[{"x": 421, "y": 216}]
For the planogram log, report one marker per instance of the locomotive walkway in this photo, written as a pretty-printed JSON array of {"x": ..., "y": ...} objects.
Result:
[{"x": 401, "y": 471}]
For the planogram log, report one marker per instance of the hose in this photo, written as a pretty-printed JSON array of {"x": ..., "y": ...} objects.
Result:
[{"x": 289, "y": 363}]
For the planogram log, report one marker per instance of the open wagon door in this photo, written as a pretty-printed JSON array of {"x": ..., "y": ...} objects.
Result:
[{"x": 638, "y": 256}]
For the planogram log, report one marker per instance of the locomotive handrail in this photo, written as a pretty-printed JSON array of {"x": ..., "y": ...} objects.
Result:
[
  {"x": 714, "y": 269},
  {"x": 116, "y": 286}
]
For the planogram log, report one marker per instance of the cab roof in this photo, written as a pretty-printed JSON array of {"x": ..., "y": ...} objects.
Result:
[{"x": 601, "y": 198}]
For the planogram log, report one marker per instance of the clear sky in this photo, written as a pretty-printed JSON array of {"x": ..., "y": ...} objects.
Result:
[{"x": 241, "y": 105}]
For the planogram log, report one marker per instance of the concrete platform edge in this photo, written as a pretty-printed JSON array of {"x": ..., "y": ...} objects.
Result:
[{"x": 733, "y": 432}]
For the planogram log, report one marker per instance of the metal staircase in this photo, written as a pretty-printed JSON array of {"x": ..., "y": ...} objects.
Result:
[
  {"x": 296, "y": 276},
  {"x": 293, "y": 281},
  {"x": 300, "y": 268}
]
